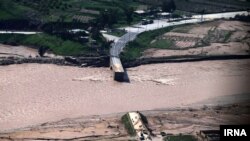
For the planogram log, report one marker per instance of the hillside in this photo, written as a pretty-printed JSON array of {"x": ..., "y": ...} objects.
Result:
[
  {"x": 211, "y": 6},
  {"x": 63, "y": 10},
  {"x": 85, "y": 10},
  {"x": 57, "y": 17}
]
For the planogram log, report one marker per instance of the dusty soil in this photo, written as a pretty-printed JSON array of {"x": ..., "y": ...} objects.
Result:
[
  {"x": 213, "y": 38},
  {"x": 109, "y": 127},
  {"x": 20, "y": 51},
  {"x": 232, "y": 48},
  {"x": 32, "y": 94}
]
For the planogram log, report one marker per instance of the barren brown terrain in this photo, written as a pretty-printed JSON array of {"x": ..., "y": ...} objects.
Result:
[
  {"x": 109, "y": 127},
  {"x": 20, "y": 51},
  {"x": 213, "y": 38}
]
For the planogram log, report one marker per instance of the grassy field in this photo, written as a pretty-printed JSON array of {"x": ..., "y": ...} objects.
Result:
[
  {"x": 185, "y": 39},
  {"x": 55, "y": 44},
  {"x": 161, "y": 43},
  {"x": 54, "y": 10},
  {"x": 12, "y": 10},
  {"x": 64, "y": 11},
  {"x": 135, "y": 48}
]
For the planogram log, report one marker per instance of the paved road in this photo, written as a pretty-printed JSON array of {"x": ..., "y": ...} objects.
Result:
[
  {"x": 133, "y": 31},
  {"x": 121, "y": 43},
  {"x": 19, "y": 32},
  {"x": 195, "y": 19}
]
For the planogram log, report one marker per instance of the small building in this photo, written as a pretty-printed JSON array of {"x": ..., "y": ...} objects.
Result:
[
  {"x": 140, "y": 12},
  {"x": 164, "y": 14},
  {"x": 209, "y": 135},
  {"x": 88, "y": 11},
  {"x": 139, "y": 127},
  {"x": 78, "y": 30}
]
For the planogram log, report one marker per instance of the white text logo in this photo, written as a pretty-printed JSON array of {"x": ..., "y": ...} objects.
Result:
[{"x": 235, "y": 132}]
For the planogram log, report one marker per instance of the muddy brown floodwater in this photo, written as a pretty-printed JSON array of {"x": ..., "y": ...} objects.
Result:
[{"x": 31, "y": 94}]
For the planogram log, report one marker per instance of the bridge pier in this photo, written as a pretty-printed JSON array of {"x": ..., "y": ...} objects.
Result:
[
  {"x": 119, "y": 76},
  {"x": 116, "y": 66}
]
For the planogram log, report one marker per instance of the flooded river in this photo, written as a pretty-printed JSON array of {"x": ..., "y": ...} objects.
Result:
[{"x": 31, "y": 94}]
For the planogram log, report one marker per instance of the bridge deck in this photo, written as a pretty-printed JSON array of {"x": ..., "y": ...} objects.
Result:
[{"x": 116, "y": 65}]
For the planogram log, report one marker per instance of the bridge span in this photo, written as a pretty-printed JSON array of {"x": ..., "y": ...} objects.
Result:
[{"x": 116, "y": 49}]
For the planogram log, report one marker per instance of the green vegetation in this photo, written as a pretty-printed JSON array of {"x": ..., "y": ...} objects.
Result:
[
  {"x": 227, "y": 36},
  {"x": 168, "y": 6},
  {"x": 135, "y": 48},
  {"x": 127, "y": 123},
  {"x": 180, "y": 138},
  {"x": 65, "y": 10},
  {"x": 53, "y": 43},
  {"x": 56, "y": 17},
  {"x": 162, "y": 43},
  {"x": 184, "y": 29},
  {"x": 45, "y": 10},
  {"x": 11, "y": 10},
  {"x": 216, "y": 36}
]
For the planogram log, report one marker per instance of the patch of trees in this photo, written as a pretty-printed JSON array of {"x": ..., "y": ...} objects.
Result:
[
  {"x": 111, "y": 16},
  {"x": 66, "y": 35},
  {"x": 45, "y": 6},
  {"x": 54, "y": 27},
  {"x": 107, "y": 18},
  {"x": 18, "y": 24},
  {"x": 129, "y": 14},
  {"x": 61, "y": 29},
  {"x": 168, "y": 6},
  {"x": 244, "y": 18}
]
